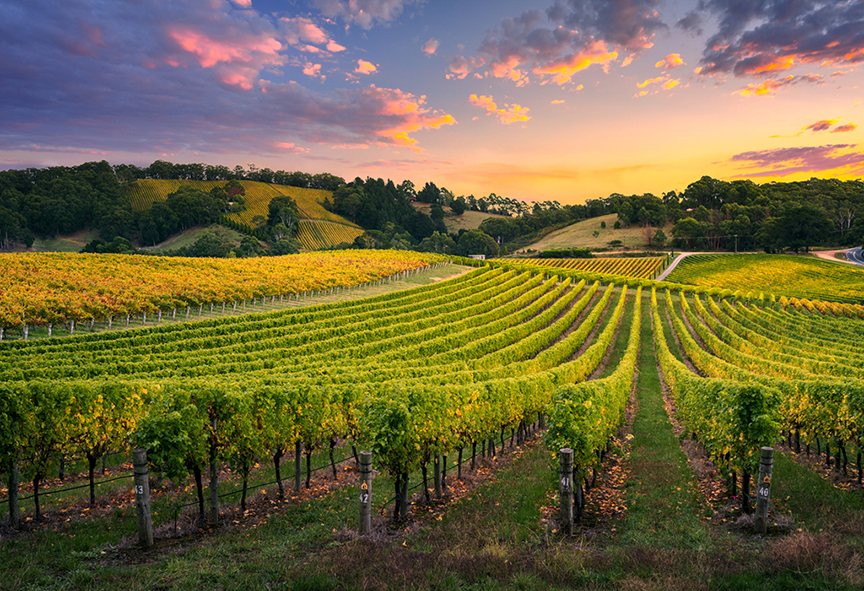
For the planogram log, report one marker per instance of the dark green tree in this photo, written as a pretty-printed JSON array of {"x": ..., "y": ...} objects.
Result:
[
  {"x": 805, "y": 226},
  {"x": 429, "y": 194},
  {"x": 477, "y": 242},
  {"x": 283, "y": 211},
  {"x": 437, "y": 242}
]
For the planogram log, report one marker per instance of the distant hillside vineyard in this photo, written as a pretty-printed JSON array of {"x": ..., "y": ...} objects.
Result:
[{"x": 319, "y": 228}]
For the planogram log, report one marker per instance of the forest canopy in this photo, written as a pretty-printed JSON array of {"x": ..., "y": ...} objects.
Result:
[{"x": 710, "y": 214}]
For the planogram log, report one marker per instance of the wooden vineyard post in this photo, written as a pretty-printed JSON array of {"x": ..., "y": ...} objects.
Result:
[
  {"x": 365, "y": 524},
  {"x": 763, "y": 490},
  {"x": 565, "y": 489},
  {"x": 298, "y": 465},
  {"x": 142, "y": 497}
]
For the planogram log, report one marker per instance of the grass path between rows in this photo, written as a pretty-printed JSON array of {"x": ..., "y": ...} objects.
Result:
[{"x": 662, "y": 495}]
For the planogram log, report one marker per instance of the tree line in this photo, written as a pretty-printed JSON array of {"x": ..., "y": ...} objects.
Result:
[
  {"x": 709, "y": 215},
  {"x": 742, "y": 216},
  {"x": 161, "y": 169},
  {"x": 384, "y": 210}
]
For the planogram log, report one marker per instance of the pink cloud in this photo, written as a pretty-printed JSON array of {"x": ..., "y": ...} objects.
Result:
[
  {"x": 291, "y": 147},
  {"x": 303, "y": 29},
  {"x": 239, "y": 60},
  {"x": 242, "y": 77},
  {"x": 334, "y": 47},
  {"x": 461, "y": 66},
  {"x": 213, "y": 50},
  {"x": 430, "y": 47},
  {"x": 509, "y": 69},
  {"x": 313, "y": 70},
  {"x": 506, "y": 115},
  {"x": 210, "y": 52},
  {"x": 785, "y": 161}
]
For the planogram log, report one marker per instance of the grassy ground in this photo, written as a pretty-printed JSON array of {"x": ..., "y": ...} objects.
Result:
[
  {"x": 790, "y": 275},
  {"x": 470, "y": 220},
  {"x": 72, "y": 243},
  {"x": 188, "y": 237},
  {"x": 581, "y": 235}
]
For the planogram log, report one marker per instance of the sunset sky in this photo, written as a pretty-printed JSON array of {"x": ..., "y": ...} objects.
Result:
[{"x": 566, "y": 100}]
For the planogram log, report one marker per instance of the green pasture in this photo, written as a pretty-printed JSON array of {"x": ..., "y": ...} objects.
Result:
[{"x": 797, "y": 276}]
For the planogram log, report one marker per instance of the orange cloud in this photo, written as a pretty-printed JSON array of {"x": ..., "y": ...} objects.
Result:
[
  {"x": 670, "y": 62},
  {"x": 645, "y": 83},
  {"x": 843, "y": 128},
  {"x": 507, "y": 115},
  {"x": 670, "y": 84},
  {"x": 770, "y": 86},
  {"x": 767, "y": 87},
  {"x": 775, "y": 65},
  {"x": 364, "y": 67},
  {"x": 563, "y": 70},
  {"x": 409, "y": 111}
]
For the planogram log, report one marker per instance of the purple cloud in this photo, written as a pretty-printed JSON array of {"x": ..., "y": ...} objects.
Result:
[
  {"x": 566, "y": 38},
  {"x": 691, "y": 23},
  {"x": 182, "y": 77},
  {"x": 821, "y": 125},
  {"x": 767, "y": 37},
  {"x": 785, "y": 161},
  {"x": 363, "y": 12}
]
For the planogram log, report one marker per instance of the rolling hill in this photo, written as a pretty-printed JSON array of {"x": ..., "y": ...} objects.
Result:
[
  {"x": 318, "y": 227},
  {"x": 581, "y": 235}
]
